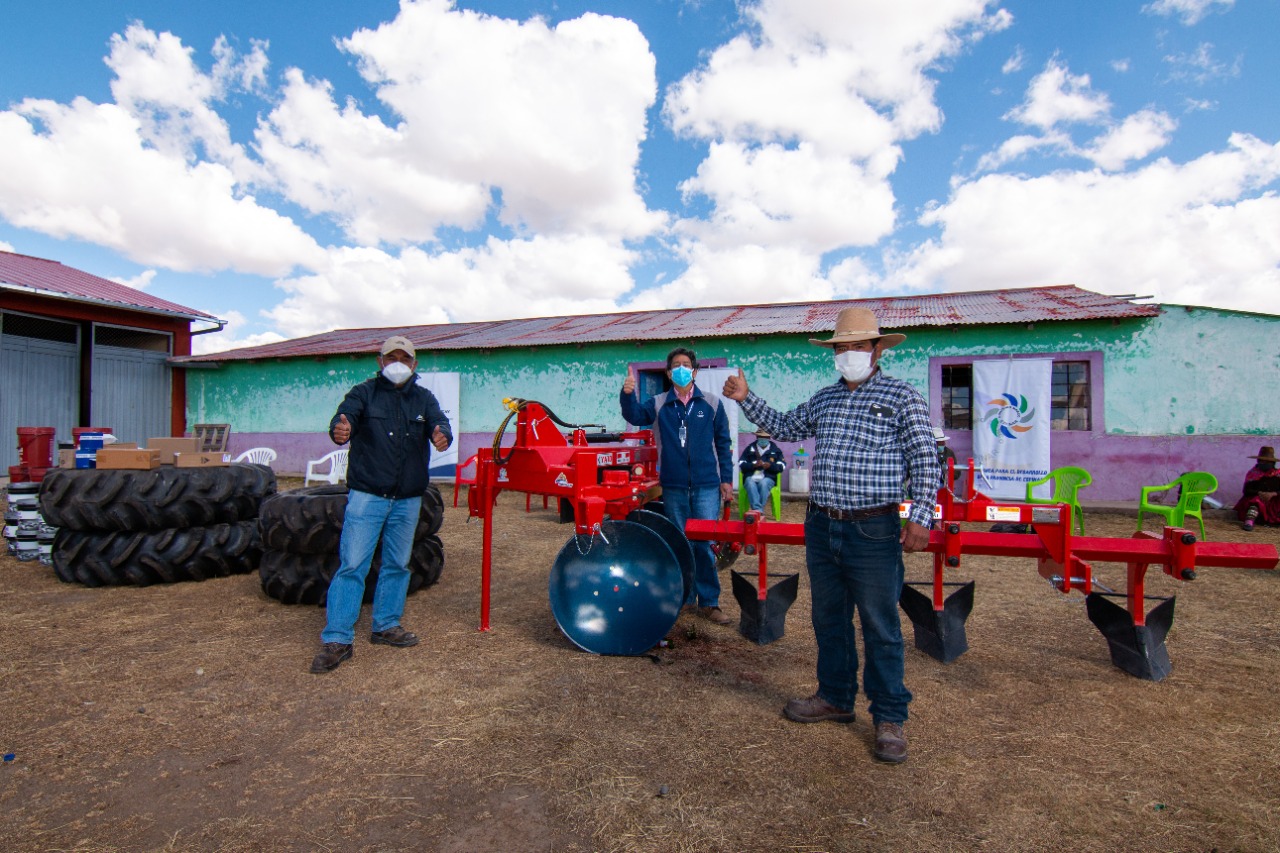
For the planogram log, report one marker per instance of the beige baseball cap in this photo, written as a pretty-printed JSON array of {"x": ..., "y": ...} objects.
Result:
[{"x": 397, "y": 342}]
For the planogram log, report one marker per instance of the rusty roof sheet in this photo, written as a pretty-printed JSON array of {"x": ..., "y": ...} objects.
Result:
[
  {"x": 43, "y": 277},
  {"x": 1029, "y": 305}
]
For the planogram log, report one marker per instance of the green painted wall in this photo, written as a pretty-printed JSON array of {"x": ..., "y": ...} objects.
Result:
[{"x": 1189, "y": 371}]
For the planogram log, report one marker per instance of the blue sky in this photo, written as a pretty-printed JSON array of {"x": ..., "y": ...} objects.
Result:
[{"x": 295, "y": 167}]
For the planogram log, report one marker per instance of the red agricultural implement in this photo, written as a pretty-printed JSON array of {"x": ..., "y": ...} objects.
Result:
[
  {"x": 617, "y": 585},
  {"x": 1134, "y": 635}
]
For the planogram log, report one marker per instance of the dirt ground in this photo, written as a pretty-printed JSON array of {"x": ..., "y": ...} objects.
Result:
[{"x": 183, "y": 717}]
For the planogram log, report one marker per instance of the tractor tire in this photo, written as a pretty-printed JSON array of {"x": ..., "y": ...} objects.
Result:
[
  {"x": 158, "y": 499},
  {"x": 304, "y": 578},
  {"x": 166, "y": 556},
  {"x": 303, "y": 521},
  {"x": 432, "y": 516},
  {"x": 309, "y": 521}
]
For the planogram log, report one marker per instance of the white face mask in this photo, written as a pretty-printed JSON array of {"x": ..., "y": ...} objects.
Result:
[
  {"x": 397, "y": 373},
  {"x": 854, "y": 366}
]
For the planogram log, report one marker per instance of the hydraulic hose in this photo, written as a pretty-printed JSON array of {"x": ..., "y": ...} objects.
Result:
[{"x": 515, "y": 404}]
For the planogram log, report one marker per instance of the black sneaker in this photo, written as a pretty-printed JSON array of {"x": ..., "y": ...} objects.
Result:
[
  {"x": 396, "y": 636},
  {"x": 331, "y": 654}
]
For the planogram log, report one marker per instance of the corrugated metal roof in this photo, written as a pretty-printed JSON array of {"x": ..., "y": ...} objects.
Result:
[
  {"x": 1030, "y": 305},
  {"x": 43, "y": 277}
]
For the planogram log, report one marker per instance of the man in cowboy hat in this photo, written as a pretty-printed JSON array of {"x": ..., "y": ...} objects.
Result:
[
  {"x": 392, "y": 422},
  {"x": 872, "y": 433},
  {"x": 761, "y": 464},
  {"x": 1261, "y": 500},
  {"x": 944, "y": 452}
]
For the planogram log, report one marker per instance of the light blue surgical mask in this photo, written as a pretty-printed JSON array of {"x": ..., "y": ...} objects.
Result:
[
  {"x": 763, "y": 444},
  {"x": 681, "y": 376}
]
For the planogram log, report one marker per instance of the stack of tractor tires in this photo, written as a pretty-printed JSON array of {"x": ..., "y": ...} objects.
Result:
[
  {"x": 301, "y": 530},
  {"x": 163, "y": 525}
]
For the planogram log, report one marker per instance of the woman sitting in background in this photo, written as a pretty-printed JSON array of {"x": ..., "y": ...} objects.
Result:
[{"x": 1261, "y": 501}]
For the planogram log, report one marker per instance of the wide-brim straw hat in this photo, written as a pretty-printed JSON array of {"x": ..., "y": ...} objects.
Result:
[
  {"x": 938, "y": 434},
  {"x": 763, "y": 433},
  {"x": 1266, "y": 454},
  {"x": 858, "y": 324}
]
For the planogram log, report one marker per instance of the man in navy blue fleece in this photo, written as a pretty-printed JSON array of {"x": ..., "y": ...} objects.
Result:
[{"x": 695, "y": 462}]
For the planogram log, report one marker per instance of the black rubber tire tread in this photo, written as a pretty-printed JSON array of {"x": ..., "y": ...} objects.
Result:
[
  {"x": 304, "y": 578},
  {"x": 432, "y": 512},
  {"x": 303, "y": 521},
  {"x": 309, "y": 521},
  {"x": 158, "y": 499},
  {"x": 142, "y": 558}
]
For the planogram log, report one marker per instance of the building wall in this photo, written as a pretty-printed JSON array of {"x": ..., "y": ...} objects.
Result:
[
  {"x": 87, "y": 314},
  {"x": 1180, "y": 392}
]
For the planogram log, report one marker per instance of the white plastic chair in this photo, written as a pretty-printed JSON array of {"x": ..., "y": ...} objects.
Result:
[
  {"x": 258, "y": 455},
  {"x": 337, "y": 464}
]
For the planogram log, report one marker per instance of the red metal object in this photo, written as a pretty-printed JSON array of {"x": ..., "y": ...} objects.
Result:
[
  {"x": 597, "y": 479},
  {"x": 1063, "y": 559}
]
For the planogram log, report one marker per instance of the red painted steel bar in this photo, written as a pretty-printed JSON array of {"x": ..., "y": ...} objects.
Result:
[{"x": 1061, "y": 558}]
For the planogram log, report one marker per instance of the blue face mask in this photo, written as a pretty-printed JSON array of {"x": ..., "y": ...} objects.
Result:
[
  {"x": 681, "y": 376},
  {"x": 763, "y": 443}
]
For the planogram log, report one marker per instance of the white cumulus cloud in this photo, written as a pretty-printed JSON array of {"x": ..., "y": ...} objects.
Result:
[
  {"x": 1189, "y": 11},
  {"x": 1204, "y": 232},
  {"x": 550, "y": 117}
]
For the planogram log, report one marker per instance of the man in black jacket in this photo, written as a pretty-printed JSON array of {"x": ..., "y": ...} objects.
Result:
[
  {"x": 389, "y": 421},
  {"x": 761, "y": 465}
]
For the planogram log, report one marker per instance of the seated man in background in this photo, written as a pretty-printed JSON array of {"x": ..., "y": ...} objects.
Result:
[
  {"x": 944, "y": 452},
  {"x": 1261, "y": 500},
  {"x": 761, "y": 464}
]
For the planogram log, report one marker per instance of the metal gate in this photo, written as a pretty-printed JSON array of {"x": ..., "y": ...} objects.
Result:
[
  {"x": 39, "y": 379},
  {"x": 131, "y": 382}
]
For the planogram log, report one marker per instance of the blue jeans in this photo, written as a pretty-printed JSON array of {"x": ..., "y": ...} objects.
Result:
[
  {"x": 368, "y": 517},
  {"x": 680, "y": 505},
  {"x": 758, "y": 492},
  {"x": 858, "y": 564}
]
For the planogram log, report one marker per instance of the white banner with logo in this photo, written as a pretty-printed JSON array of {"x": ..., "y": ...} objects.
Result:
[
  {"x": 1011, "y": 421},
  {"x": 446, "y": 387},
  {"x": 712, "y": 379}
]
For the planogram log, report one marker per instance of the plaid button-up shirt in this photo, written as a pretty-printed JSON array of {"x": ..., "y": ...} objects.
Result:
[{"x": 869, "y": 441}]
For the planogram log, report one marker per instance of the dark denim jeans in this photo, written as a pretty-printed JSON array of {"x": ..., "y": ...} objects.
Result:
[
  {"x": 858, "y": 564},
  {"x": 680, "y": 505}
]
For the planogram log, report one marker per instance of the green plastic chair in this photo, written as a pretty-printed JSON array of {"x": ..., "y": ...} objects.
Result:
[
  {"x": 1195, "y": 486},
  {"x": 1067, "y": 483},
  {"x": 775, "y": 501}
]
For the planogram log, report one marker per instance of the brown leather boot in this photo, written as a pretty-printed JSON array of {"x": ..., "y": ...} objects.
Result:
[
  {"x": 815, "y": 709},
  {"x": 891, "y": 743},
  {"x": 331, "y": 654}
]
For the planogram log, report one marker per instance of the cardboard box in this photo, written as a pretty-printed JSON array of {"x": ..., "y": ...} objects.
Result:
[
  {"x": 66, "y": 458},
  {"x": 127, "y": 457},
  {"x": 169, "y": 446},
  {"x": 201, "y": 460}
]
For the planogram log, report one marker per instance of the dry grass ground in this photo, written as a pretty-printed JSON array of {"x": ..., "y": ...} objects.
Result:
[{"x": 183, "y": 718}]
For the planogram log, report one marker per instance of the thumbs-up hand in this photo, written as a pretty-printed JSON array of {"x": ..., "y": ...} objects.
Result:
[
  {"x": 439, "y": 439},
  {"x": 629, "y": 384},
  {"x": 342, "y": 430},
  {"x": 735, "y": 387}
]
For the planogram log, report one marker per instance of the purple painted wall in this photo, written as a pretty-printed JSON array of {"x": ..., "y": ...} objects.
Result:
[
  {"x": 1134, "y": 461},
  {"x": 1131, "y": 461}
]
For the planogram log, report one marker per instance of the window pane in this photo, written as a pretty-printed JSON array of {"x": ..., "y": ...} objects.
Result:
[
  {"x": 1071, "y": 395},
  {"x": 957, "y": 388}
]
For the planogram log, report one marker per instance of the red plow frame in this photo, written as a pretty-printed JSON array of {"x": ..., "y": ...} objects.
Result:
[{"x": 1135, "y": 636}]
